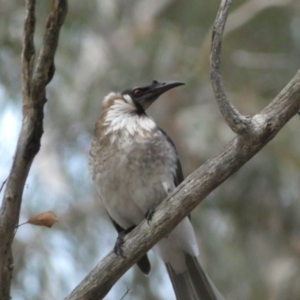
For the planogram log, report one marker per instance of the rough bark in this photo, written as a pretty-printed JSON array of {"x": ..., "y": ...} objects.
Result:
[{"x": 35, "y": 77}]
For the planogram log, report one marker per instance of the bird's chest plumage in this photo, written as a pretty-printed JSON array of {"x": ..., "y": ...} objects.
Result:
[{"x": 133, "y": 173}]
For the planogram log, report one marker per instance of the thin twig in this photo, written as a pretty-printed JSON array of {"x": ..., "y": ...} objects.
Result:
[
  {"x": 126, "y": 293},
  {"x": 45, "y": 59}
]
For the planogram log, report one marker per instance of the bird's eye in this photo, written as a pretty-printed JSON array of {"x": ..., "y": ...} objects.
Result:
[{"x": 137, "y": 93}]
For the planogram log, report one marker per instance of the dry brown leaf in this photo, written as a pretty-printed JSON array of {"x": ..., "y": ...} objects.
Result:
[{"x": 47, "y": 218}]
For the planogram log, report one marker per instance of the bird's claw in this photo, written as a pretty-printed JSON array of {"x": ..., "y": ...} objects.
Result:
[
  {"x": 119, "y": 244},
  {"x": 149, "y": 214}
]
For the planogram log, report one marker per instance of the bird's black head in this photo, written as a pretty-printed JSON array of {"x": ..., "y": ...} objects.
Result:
[{"x": 144, "y": 96}]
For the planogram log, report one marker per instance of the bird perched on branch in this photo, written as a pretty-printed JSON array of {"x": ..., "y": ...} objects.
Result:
[{"x": 135, "y": 165}]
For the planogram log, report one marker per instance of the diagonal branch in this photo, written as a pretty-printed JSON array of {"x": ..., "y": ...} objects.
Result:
[
  {"x": 34, "y": 97},
  {"x": 261, "y": 129}
]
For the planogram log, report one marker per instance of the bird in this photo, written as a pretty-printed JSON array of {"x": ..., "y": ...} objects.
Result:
[{"x": 134, "y": 165}]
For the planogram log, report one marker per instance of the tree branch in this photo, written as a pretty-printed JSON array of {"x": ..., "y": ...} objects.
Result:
[
  {"x": 236, "y": 121},
  {"x": 34, "y": 83},
  {"x": 28, "y": 52},
  {"x": 260, "y": 129}
]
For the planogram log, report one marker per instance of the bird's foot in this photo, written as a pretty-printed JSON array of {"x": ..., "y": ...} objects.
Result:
[
  {"x": 149, "y": 214},
  {"x": 120, "y": 241}
]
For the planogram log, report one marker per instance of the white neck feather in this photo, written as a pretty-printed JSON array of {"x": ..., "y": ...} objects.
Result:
[{"x": 122, "y": 116}]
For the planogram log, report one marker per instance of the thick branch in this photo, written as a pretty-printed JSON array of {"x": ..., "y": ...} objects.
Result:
[{"x": 34, "y": 91}]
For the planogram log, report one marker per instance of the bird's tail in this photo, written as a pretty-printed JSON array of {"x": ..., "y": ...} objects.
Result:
[{"x": 193, "y": 284}]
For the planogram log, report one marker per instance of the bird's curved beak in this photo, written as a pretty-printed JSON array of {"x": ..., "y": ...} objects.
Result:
[
  {"x": 152, "y": 91},
  {"x": 158, "y": 88}
]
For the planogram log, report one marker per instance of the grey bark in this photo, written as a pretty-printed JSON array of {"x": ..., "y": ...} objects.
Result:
[{"x": 35, "y": 77}]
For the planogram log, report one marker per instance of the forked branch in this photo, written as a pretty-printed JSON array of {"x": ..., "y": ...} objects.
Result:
[{"x": 34, "y": 81}]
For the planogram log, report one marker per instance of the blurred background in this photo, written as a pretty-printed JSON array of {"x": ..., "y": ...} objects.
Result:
[{"x": 248, "y": 229}]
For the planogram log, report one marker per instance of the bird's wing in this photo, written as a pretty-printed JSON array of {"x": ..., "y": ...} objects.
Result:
[{"x": 178, "y": 178}]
